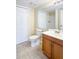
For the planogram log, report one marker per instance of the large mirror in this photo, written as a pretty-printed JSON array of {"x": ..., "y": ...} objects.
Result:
[{"x": 50, "y": 16}]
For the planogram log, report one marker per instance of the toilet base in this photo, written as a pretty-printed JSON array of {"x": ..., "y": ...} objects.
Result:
[{"x": 35, "y": 43}]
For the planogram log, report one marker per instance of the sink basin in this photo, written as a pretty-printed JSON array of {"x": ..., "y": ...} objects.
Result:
[{"x": 54, "y": 33}]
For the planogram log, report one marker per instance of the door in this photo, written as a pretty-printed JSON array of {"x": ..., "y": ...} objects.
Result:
[
  {"x": 58, "y": 51},
  {"x": 47, "y": 47}
]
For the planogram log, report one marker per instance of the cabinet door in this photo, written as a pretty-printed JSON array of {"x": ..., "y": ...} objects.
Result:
[
  {"x": 58, "y": 51},
  {"x": 52, "y": 50},
  {"x": 47, "y": 47}
]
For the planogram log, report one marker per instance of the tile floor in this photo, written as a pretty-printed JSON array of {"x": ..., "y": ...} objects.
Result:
[{"x": 25, "y": 51}]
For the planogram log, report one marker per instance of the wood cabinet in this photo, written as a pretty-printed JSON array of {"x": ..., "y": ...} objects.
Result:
[
  {"x": 47, "y": 47},
  {"x": 57, "y": 51},
  {"x": 52, "y": 47}
]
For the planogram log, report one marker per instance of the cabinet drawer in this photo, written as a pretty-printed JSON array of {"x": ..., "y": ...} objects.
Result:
[
  {"x": 47, "y": 37},
  {"x": 57, "y": 41}
]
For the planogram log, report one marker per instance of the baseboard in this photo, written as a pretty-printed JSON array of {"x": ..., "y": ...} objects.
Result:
[{"x": 21, "y": 42}]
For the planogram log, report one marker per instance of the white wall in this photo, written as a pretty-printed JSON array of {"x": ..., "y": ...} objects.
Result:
[
  {"x": 57, "y": 19},
  {"x": 24, "y": 24},
  {"x": 61, "y": 19}
]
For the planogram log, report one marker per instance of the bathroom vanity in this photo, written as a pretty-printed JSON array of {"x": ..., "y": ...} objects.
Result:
[{"x": 52, "y": 45}]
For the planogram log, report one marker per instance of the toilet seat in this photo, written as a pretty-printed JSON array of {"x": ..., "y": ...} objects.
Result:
[{"x": 34, "y": 37}]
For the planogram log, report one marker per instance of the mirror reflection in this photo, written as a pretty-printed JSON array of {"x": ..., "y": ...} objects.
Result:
[{"x": 50, "y": 17}]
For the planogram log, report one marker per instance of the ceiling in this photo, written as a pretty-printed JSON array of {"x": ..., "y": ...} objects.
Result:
[
  {"x": 31, "y": 3},
  {"x": 54, "y": 7},
  {"x": 46, "y": 5}
]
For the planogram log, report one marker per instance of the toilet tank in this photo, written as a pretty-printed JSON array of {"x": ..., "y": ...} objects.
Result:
[{"x": 38, "y": 31}]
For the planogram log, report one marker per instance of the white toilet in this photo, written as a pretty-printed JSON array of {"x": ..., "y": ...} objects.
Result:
[{"x": 35, "y": 39}]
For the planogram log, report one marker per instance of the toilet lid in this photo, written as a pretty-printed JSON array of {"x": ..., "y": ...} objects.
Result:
[{"x": 34, "y": 37}]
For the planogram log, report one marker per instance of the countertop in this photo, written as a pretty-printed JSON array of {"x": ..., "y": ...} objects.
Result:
[{"x": 54, "y": 34}]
